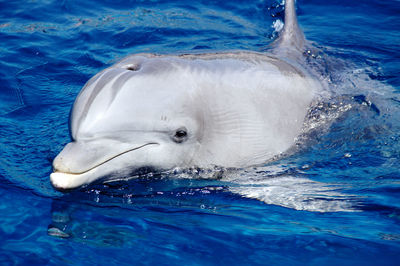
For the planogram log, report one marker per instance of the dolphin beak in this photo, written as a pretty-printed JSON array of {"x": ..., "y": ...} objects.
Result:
[{"x": 81, "y": 163}]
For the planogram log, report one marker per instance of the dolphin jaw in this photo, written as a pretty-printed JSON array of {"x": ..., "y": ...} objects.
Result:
[
  {"x": 65, "y": 181},
  {"x": 63, "y": 178}
]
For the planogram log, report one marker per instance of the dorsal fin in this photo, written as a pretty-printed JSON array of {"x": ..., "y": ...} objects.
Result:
[{"x": 291, "y": 36}]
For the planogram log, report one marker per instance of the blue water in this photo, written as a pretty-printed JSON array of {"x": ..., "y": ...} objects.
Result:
[{"x": 333, "y": 201}]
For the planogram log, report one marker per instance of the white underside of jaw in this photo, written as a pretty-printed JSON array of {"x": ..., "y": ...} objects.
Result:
[{"x": 64, "y": 181}]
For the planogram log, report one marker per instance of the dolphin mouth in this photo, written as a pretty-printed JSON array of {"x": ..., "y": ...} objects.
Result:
[{"x": 64, "y": 181}]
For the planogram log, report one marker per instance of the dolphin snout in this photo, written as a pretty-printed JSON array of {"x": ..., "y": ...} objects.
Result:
[
  {"x": 77, "y": 163},
  {"x": 77, "y": 158},
  {"x": 82, "y": 162},
  {"x": 62, "y": 165}
]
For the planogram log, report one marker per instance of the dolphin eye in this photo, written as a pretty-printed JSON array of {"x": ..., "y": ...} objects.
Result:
[{"x": 180, "y": 135}]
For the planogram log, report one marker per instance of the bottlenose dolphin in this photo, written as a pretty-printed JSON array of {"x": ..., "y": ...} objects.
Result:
[{"x": 160, "y": 112}]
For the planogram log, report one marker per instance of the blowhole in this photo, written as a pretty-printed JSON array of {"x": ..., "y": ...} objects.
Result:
[{"x": 132, "y": 67}]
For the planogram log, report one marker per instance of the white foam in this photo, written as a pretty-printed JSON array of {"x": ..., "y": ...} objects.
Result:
[
  {"x": 272, "y": 185},
  {"x": 289, "y": 191},
  {"x": 277, "y": 25}
]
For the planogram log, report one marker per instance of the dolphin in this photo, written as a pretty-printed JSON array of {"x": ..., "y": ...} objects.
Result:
[{"x": 153, "y": 112}]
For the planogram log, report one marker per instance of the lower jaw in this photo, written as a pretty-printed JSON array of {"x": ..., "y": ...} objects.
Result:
[
  {"x": 65, "y": 181},
  {"x": 68, "y": 181}
]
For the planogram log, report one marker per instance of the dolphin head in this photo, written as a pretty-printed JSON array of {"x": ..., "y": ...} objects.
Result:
[
  {"x": 136, "y": 114},
  {"x": 162, "y": 112}
]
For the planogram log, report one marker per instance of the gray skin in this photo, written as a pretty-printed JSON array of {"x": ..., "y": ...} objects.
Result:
[{"x": 232, "y": 109}]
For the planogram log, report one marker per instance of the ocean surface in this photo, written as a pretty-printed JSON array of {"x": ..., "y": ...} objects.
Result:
[{"x": 334, "y": 200}]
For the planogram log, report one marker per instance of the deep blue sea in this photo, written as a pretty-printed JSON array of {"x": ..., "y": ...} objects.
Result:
[{"x": 334, "y": 201}]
